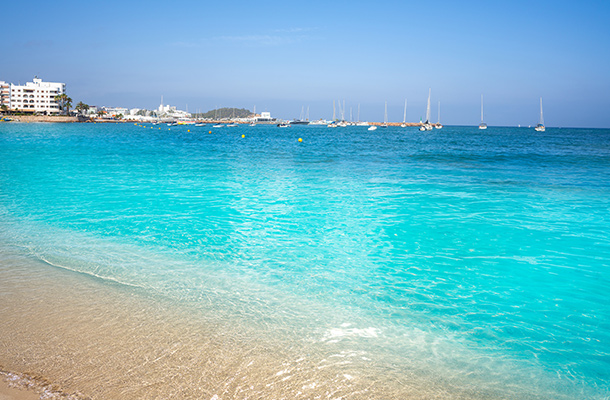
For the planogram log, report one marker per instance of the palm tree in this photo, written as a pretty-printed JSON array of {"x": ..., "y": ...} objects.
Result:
[
  {"x": 64, "y": 101},
  {"x": 81, "y": 107}
]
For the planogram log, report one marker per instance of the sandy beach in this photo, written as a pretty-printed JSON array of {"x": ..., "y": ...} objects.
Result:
[{"x": 9, "y": 392}]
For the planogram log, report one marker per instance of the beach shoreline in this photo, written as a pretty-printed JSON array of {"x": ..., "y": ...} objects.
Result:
[
  {"x": 67, "y": 119},
  {"x": 12, "y": 391}
]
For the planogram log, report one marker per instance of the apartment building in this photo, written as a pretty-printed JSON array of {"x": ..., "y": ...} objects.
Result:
[
  {"x": 5, "y": 94},
  {"x": 36, "y": 96}
]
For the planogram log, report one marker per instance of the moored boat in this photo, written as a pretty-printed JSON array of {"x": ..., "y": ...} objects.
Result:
[
  {"x": 482, "y": 125},
  {"x": 540, "y": 127}
]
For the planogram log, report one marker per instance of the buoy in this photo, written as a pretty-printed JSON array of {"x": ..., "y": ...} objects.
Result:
[
  {"x": 243, "y": 136},
  {"x": 300, "y": 140},
  {"x": 210, "y": 131},
  {"x": 188, "y": 130}
]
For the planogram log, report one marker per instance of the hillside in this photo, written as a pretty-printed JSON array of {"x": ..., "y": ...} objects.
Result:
[{"x": 225, "y": 112}]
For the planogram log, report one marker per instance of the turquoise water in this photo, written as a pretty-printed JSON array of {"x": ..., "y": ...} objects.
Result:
[{"x": 479, "y": 257}]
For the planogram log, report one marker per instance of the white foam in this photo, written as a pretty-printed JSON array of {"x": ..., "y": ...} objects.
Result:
[{"x": 336, "y": 334}]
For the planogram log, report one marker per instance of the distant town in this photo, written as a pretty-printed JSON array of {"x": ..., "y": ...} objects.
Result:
[
  {"x": 39, "y": 98},
  {"x": 40, "y": 101}
]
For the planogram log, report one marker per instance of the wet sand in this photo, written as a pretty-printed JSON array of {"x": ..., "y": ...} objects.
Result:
[
  {"x": 83, "y": 338},
  {"x": 8, "y": 392}
]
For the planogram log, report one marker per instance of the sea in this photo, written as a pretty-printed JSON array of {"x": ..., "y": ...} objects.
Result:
[{"x": 147, "y": 261}]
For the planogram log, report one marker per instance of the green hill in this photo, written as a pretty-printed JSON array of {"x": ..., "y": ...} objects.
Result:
[{"x": 225, "y": 112}]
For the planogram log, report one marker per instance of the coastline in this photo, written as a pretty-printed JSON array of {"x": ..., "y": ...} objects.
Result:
[
  {"x": 106, "y": 341},
  {"x": 66, "y": 119},
  {"x": 15, "y": 386},
  {"x": 42, "y": 118}
]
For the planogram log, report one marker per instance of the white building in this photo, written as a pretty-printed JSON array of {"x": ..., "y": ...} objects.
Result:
[
  {"x": 5, "y": 94},
  {"x": 265, "y": 117},
  {"x": 112, "y": 112},
  {"x": 36, "y": 96},
  {"x": 168, "y": 111}
]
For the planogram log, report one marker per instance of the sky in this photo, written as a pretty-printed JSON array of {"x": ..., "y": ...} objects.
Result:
[{"x": 283, "y": 56}]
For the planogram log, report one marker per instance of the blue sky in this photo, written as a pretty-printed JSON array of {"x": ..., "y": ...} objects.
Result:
[{"x": 281, "y": 56}]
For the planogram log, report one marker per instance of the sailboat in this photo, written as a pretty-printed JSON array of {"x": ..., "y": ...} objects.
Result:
[
  {"x": 217, "y": 124},
  {"x": 482, "y": 125},
  {"x": 385, "y": 116},
  {"x": 301, "y": 120},
  {"x": 361, "y": 123},
  {"x": 540, "y": 127},
  {"x": 404, "y": 116},
  {"x": 438, "y": 124},
  {"x": 427, "y": 126}
]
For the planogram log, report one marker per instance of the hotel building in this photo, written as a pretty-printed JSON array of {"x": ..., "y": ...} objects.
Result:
[
  {"x": 5, "y": 94},
  {"x": 35, "y": 97}
]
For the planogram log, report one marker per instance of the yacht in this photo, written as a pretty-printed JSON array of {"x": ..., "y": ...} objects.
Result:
[
  {"x": 301, "y": 120},
  {"x": 427, "y": 126},
  {"x": 540, "y": 127},
  {"x": 438, "y": 124},
  {"x": 482, "y": 125},
  {"x": 404, "y": 117}
]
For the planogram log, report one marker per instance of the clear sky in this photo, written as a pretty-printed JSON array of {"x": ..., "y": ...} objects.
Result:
[{"x": 284, "y": 55}]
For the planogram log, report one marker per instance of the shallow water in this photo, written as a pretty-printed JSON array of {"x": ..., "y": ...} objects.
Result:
[{"x": 164, "y": 263}]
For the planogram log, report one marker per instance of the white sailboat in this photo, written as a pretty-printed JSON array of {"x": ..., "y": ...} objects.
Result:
[
  {"x": 385, "y": 116},
  {"x": 404, "y": 116},
  {"x": 482, "y": 125},
  {"x": 438, "y": 124},
  {"x": 361, "y": 123},
  {"x": 427, "y": 126},
  {"x": 540, "y": 127}
]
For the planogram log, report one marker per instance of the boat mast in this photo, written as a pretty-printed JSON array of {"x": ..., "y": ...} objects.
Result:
[
  {"x": 481, "y": 108},
  {"x": 334, "y": 110},
  {"x": 385, "y": 114},
  {"x": 428, "y": 108},
  {"x": 404, "y": 116},
  {"x": 541, "y": 117}
]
